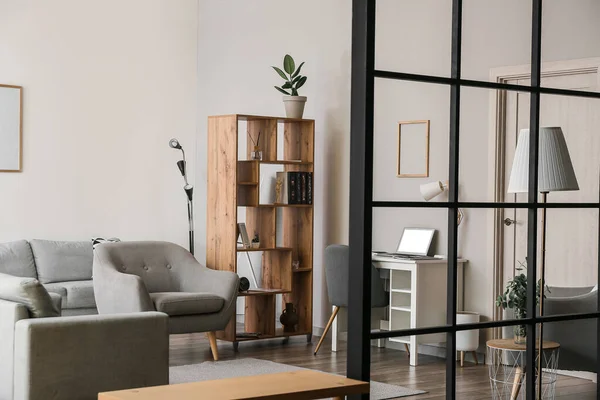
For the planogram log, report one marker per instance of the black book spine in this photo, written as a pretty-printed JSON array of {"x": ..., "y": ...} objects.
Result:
[
  {"x": 304, "y": 187},
  {"x": 309, "y": 188},
  {"x": 292, "y": 188},
  {"x": 298, "y": 188}
]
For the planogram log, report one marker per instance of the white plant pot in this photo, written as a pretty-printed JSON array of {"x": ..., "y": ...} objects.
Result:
[
  {"x": 467, "y": 340},
  {"x": 294, "y": 106}
]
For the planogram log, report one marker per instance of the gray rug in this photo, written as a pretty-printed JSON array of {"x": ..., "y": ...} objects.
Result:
[{"x": 210, "y": 370}]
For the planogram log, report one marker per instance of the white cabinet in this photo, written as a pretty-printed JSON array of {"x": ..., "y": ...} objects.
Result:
[{"x": 417, "y": 290}]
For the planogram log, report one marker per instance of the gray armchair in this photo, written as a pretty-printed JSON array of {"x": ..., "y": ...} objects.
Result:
[
  {"x": 337, "y": 271},
  {"x": 78, "y": 357},
  {"x": 162, "y": 276}
]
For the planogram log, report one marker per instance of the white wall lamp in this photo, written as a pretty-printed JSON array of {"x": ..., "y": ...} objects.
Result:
[{"x": 433, "y": 189}]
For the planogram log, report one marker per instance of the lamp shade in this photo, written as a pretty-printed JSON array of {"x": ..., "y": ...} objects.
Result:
[
  {"x": 431, "y": 190},
  {"x": 555, "y": 170}
]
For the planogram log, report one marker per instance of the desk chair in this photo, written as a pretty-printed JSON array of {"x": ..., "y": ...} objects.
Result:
[{"x": 337, "y": 266}]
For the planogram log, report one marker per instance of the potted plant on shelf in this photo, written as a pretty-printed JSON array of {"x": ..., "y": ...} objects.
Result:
[
  {"x": 255, "y": 241},
  {"x": 515, "y": 298},
  {"x": 294, "y": 104}
]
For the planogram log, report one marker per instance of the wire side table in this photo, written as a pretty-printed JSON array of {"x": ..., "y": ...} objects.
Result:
[{"x": 508, "y": 368}]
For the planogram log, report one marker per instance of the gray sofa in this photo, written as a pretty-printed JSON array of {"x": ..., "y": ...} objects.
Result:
[
  {"x": 64, "y": 268},
  {"x": 46, "y": 356}
]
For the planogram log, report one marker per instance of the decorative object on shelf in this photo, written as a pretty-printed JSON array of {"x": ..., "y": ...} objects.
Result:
[
  {"x": 255, "y": 241},
  {"x": 296, "y": 264},
  {"x": 433, "y": 189},
  {"x": 294, "y": 104},
  {"x": 257, "y": 153},
  {"x": 413, "y": 149},
  {"x": 189, "y": 191},
  {"x": 515, "y": 298},
  {"x": 11, "y": 128},
  {"x": 467, "y": 340},
  {"x": 244, "y": 284},
  {"x": 243, "y": 233},
  {"x": 289, "y": 318},
  {"x": 555, "y": 173}
]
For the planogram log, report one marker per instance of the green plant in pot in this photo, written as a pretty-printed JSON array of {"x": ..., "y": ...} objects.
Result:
[
  {"x": 515, "y": 298},
  {"x": 294, "y": 103}
]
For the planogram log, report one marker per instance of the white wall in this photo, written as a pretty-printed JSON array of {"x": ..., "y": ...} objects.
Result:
[
  {"x": 238, "y": 41},
  {"x": 106, "y": 85}
]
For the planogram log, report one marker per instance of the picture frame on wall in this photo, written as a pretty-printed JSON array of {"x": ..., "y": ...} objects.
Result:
[
  {"x": 244, "y": 235},
  {"x": 11, "y": 128},
  {"x": 413, "y": 149}
]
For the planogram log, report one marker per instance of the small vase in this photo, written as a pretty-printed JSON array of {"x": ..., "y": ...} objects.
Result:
[
  {"x": 289, "y": 318},
  {"x": 256, "y": 154},
  {"x": 255, "y": 245},
  {"x": 520, "y": 331}
]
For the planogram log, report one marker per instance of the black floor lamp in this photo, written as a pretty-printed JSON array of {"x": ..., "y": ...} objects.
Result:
[{"x": 189, "y": 191}]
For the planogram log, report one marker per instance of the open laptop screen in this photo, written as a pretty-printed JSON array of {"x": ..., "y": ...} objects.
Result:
[{"x": 415, "y": 241}]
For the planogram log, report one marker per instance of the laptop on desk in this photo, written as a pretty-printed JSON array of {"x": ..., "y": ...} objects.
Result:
[{"x": 414, "y": 245}]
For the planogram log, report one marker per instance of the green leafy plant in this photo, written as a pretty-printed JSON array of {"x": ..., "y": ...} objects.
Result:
[
  {"x": 291, "y": 76},
  {"x": 515, "y": 295},
  {"x": 255, "y": 239}
]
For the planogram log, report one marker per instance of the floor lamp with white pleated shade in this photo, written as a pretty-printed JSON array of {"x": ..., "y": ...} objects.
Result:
[{"x": 555, "y": 173}]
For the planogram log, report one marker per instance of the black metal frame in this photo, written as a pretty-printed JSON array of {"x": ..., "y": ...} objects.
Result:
[{"x": 361, "y": 194}]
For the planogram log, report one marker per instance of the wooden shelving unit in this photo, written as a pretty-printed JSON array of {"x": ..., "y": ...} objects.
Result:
[{"x": 234, "y": 183}]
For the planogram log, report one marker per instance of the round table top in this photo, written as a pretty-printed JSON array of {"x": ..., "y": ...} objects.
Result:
[{"x": 509, "y": 344}]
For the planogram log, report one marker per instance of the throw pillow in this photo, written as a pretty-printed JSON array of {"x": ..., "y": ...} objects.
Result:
[
  {"x": 98, "y": 240},
  {"x": 30, "y": 293}
]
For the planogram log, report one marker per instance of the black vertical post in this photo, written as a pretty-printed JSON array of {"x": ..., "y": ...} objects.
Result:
[
  {"x": 361, "y": 190},
  {"x": 451, "y": 279},
  {"x": 532, "y": 198}
]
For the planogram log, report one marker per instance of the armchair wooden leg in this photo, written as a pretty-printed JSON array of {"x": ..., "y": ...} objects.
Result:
[
  {"x": 212, "y": 338},
  {"x": 333, "y": 315},
  {"x": 475, "y": 357},
  {"x": 407, "y": 349}
]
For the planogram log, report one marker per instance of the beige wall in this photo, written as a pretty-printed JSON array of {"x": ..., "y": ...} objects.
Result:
[{"x": 106, "y": 84}]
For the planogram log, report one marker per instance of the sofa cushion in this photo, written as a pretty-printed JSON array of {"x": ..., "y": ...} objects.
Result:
[
  {"x": 30, "y": 293},
  {"x": 62, "y": 261},
  {"x": 16, "y": 259},
  {"x": 75, "y": 294},
  {"x": 182, "y": 303}
]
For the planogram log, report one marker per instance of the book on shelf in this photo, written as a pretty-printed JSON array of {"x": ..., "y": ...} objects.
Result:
[{"x": 293, "y": 187}]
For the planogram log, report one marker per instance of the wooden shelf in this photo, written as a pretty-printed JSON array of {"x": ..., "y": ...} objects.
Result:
[
  {"x": 260, "y": 292},
  {"x": 285, "y": 230},
  {"x": 243, "y": 250}
]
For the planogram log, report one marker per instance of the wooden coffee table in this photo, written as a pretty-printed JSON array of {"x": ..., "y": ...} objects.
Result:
[{"x": 295, "y": 385}]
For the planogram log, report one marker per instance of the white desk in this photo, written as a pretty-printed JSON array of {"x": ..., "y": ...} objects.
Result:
[{"x": 417, "y": 291}]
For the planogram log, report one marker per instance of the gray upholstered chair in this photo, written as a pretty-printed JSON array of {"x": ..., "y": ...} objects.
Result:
[
  {"x": 337, "y": 269},
  {"x": 577, "y": 338},
  {"x": 162, "y": 276}
]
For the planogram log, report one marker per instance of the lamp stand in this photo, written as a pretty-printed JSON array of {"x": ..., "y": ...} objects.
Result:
[
  {"x": 541, "y": 299},
  {"x": 190, "y": 209}
]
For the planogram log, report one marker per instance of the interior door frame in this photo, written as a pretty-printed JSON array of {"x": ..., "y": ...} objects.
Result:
[{"x": 496, "y": 154}]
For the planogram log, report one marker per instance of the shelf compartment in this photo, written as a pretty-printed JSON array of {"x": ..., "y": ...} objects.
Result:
[
  {"x": 298, "y": 233},
  {"x": 301, "y": 296},
  {"x": 277, "y": 270},
  {"x": 298, "y": 141},
  {"x": 400, "y": 299},
  {"x": 401, "y": 280},
  {"x": 247, "y": 171},
  {"x": 242, "y": 250},
  {"x": 261, "y": 221},
  {"x": 259, "y": 315},
  {"x": 399, "y": 320},
  {"x": 247, "y": 195},
  {"x": 267, "y": 128}
]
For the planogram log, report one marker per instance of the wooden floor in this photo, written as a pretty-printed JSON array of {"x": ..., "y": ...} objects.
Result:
[{"x": 388, "y": 365}]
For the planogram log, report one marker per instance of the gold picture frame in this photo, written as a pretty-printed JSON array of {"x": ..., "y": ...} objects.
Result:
[
  {"x": 413, "y": 147},
  {"x": 12, "y": 137}
]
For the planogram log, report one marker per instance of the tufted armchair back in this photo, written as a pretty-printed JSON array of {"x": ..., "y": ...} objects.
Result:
[{"x": 160, "y": 265}]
